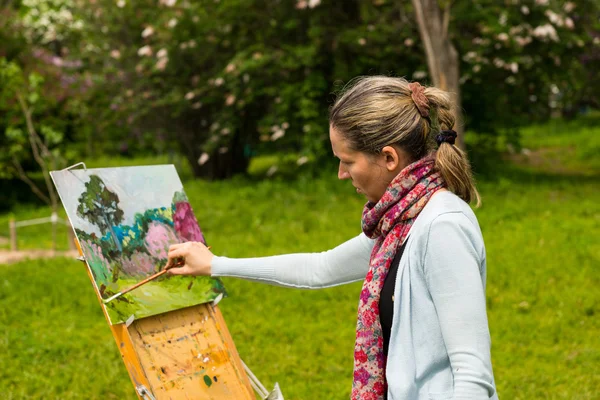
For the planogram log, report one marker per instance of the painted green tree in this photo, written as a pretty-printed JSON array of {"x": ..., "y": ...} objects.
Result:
[{"x": 100, "y": 206}]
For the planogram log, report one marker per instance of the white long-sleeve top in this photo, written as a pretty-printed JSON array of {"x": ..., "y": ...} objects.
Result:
[{"x": 439, "y": 343}]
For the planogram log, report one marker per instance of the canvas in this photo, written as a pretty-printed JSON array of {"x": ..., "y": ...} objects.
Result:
[{"x": 125, "y": 219}]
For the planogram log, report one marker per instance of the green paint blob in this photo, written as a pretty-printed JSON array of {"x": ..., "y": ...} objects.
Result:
[{"x": 207, "y": 380}]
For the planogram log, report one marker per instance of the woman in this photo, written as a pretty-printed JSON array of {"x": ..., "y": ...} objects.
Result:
[{"x": 422, "y": 330}]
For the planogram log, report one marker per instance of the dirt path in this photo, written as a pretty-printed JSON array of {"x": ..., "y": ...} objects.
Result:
[{"x": 8, "y": 257}]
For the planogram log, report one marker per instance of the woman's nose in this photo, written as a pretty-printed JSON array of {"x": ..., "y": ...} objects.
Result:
[{"x": 342, "y": 173}]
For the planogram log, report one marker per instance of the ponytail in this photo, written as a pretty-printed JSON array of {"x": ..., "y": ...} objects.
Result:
[
  {"x": 450, "y": 161},
  {"x": 454, "y": 167}
]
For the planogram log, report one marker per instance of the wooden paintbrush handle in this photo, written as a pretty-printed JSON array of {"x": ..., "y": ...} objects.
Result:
[{"x": 150, "y": 278}]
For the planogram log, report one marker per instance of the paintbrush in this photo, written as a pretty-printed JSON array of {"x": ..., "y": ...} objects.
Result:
[
  {"x": 137, "y": 285},
  {"x": 148, "y": 279}
]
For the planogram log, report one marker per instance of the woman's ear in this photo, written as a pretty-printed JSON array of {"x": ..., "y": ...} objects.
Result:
[{"x": 393, "y": 158}]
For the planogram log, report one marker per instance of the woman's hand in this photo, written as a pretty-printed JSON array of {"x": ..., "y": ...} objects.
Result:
[{"x": 196, "y": 258}]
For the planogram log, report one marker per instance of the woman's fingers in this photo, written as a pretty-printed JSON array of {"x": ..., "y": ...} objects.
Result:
[
  {"x": 176, "y": 253},
  {"x": 194, "y": 256},
  {"x": 185, "y": 270}
]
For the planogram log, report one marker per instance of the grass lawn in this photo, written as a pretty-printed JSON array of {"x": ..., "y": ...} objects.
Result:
[{"x": 541, "y": 229}]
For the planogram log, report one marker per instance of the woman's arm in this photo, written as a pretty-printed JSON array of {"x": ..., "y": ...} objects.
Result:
[
  {"x": 452, "y": 265},
  {"x": 348, "y": 262}
]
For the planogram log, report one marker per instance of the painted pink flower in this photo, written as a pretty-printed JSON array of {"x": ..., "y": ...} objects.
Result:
[
  {"x": 158, "y": 239},
  {"x": 185, "y": 223},
  {"x": 139, "y": 264}
]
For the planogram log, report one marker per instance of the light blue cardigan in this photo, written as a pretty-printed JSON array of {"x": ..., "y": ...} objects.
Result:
[{"x": 440, "y": 342}]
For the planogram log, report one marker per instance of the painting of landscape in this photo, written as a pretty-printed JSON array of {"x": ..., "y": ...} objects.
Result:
[{"x": 125, "y": 219}]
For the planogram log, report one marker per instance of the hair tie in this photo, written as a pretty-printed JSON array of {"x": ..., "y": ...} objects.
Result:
[
  {"x": 418, "y": 97},
  {"x": 448, "y": 136}
]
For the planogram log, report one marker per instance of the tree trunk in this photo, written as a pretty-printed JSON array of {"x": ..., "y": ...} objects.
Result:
[{"x": 442, "y": 57}]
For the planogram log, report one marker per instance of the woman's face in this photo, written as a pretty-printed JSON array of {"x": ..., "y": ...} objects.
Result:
[{"x": 370, "y": 173}]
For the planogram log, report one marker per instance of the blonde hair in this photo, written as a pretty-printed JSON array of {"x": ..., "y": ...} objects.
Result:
[{"x": 377, "y": 111}]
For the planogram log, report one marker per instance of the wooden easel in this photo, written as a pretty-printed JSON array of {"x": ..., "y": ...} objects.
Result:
[{"x": 182, "y": 354}]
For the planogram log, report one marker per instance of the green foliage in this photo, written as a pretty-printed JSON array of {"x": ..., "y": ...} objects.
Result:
[{"x": 222, "y": 82}]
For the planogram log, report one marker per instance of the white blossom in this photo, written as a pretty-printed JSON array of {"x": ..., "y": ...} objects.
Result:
[
  {"x": 301, "y": 4},
  {"x": 223, "y": 150},
  {"x": 162, "y": 53},
  {"x": 225, "y": 131},
  {"x": 470, "y": 56},
  {"x": 569, "y": 23},
  {"x": 313, "y": 3},
  {"x": 302, "y": 160},
  {"x": 503, "y": 18},
  {"x": 408, "y": 42},
  {"x": 116, "y": 54},
  {"x": 417, "y": 75},
  {"x": 162, "y": 63},
  {"x": 229, "y": 100},
  {"x": 219, "y": 81},
  {"x": 149, "y": 31},
  {"x": 145, "y": 51},
  {"x": 541, "y": 2},
  {"x": 525, "y": 10},
  {"x": 203, "y": 158},
  {"x": 190, "y": 95},
  {"x": 362, "y": 41},
  {"x": 230, "y": 68},
  {"x": 522, "y": 41},
  {"x": 172, "y": 23},
  {"x": 546, "y": 31},
  {"x": 272, "y": 170},
  {"x": 121, "y": 3},
  {"x": 168, "y": 3},
  {"x": 569, "y": 6},
  {"x": 503, "y": 37},
  {"x": 554, "y": 18},
  {"x": 277, "y": 135}
]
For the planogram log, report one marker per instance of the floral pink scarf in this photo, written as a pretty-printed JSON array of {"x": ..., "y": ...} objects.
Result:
[{"x": 388, "y": 221}]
